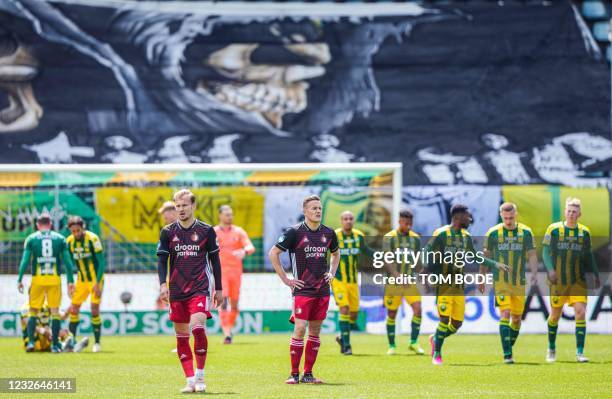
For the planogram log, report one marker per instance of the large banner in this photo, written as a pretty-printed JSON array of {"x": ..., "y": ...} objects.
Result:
[{"x": 465, "y": 93}]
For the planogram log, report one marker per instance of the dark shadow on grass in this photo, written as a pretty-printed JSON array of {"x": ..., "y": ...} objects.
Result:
[
  {"x": 473, "y": 364},
  {"x": 362, "y": 355},
  {"x": 217, "y": 393},
  {"x": 528, "y": 364}
]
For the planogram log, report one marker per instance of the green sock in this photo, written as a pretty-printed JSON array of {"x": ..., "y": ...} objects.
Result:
[
  {"x": 451, "y": 330},
  {"x": 73, "y": 326},
  {"x": 552, "y": 334},
  {"x": 504, "y": 333},
  {"x": 96, "y": 325},
  {"x": 580, "y": 335},
  {"x": 345, "y": 330},
  {"x": 514, "y": 332},
  {"x": 55, "y": 328},
  {"x": 391, "y": 331},
  {"x": 353, "y": 325},
  {"x": 415, "y": 329},
  {"x": 32, "y": 322},
  {"x": 441, "y": 332}
]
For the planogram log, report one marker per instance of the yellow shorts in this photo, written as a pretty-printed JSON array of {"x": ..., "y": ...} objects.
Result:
[
  {"x": 516, "y": 303},
  {"x": 411, "y": 294},
  {"x": 346, "y": 294},
  {"x": 559, "y": 301},
  {"x": 82, "y": 291},
  {"x": 38, "y": 292},
  {"x": 452, "y": 306}
]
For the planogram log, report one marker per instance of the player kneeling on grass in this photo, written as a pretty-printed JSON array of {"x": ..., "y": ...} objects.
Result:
[
  {"x": 42, "y": 333},
  {"x": 567, "y": 250},
  {"x": 86, "y": 250},
  {"x": 344, "y": 285},
  {"x": 45, "y": 250},
  {"x": 190, "y": 247},
  {"x": 308, "y": 244}
]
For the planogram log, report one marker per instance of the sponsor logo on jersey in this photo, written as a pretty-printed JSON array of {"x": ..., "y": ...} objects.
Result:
[
  {"x": 316, "y": 252},
  {"x": 200, "y": 305},
  {"x": 187, "y": 250},
  {"x": 175, "y": 239}
]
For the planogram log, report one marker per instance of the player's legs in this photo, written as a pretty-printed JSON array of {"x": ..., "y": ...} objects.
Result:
[
  {"x": 580, "y": 316},
  {"x": 517, "y": 306},
  {"x": 81, "y": 292},
  {"x": 392, "y": 303},
  {"x": 353, "y": 295},
  {"x": 234, "y": 296},
  {"x": 415, "y": 325},
  {"x": 341, "y": 296},
  {"x": 200, "y": 348},
  {"x": 37, "y": 298},
  {"x": 553, "y": 324},
  {"x": 313, "y": 343},
  {"x": 504, "y": 330},
  {"x": 180, "y": 316},
  {"x": 96, "y": 320},
  {"x": 296, "y": 348}
]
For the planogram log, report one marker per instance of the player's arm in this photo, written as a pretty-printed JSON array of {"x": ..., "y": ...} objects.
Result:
[
  {"x": 334, "y": 259},
  {"x": 163, "y": 252},
  {"x": 247, "y": 245},
  {"x": 390, "y": 267},
  {"x": 589, "y": 260},
  {"x": 285, "y": 242},
  {"x": 25, "y": 261},
  {"x": 212, "y": 248},
  {"x": 98, "y": 257},
  {"x": 487, "y": 253},
  {"x": 486, "y": 261},
  {"x": 547, "y": 255},
  {"x": 66, "y": 258}
]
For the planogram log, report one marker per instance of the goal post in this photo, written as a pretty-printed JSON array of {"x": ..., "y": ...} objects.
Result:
[{"x": 120, "y": 201}]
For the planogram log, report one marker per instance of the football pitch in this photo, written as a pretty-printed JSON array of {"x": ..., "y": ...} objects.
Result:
[{"x": 256, "y": 366}]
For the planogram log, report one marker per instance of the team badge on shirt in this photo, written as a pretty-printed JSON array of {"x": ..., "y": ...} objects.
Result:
[
  {"x": 323, "y": 239},
  {"x": 194, "y": 237}
]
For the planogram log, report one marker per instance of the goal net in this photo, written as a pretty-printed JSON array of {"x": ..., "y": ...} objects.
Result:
[{"x": 120, "y": 202}]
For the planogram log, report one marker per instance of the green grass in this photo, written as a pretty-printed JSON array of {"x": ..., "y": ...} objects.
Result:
[{"x": 256, "y": 366}]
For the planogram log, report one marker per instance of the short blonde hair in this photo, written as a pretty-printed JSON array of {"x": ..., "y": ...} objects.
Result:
[
  {"x": 166, "y": 206},
  {"x": 508, "y": 207},
  {"x": 572, "y": 201},
  {"x": 309, "y": 199},
  {"x": 182, "y": 193}
]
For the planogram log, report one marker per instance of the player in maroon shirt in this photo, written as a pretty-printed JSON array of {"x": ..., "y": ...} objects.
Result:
[
  {"x": 195, "y": 278},
  {"x": 308, "y": 244}
]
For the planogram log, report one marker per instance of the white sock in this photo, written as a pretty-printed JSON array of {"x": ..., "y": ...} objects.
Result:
[
  {"x": 199, "y": 373},
  {"x": 190, "y": 380}
]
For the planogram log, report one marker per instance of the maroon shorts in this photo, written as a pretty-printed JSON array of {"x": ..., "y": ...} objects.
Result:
[
  {"x": 181, "y": 311},
  {"x": 307, "y": 308}
]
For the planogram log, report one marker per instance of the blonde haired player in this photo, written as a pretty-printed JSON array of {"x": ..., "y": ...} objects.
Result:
[
  {"x": 45, "y": 251},
  {"x": 567, "y": 250},
  {"x": 512, "y": 243},
  {"x": 168, "y": 212},
  {"x": 192, "y": 282},
  {"x": 234, "y": 245},
  {"x": 86, "y": 249}
]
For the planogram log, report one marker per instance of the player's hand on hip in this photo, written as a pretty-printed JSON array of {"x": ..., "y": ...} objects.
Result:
[
  {"x": 294, "y": 283},
  {"x": 70, "y": 289},
  {"x": 20, "y": 287},
  {"x": 163, "y": 292},
  {"x": 328, "y": 277}
]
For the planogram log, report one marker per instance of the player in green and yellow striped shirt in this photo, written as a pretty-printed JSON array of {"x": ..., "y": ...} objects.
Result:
[
  {"x": 450, "y": 297},
  {"x": 86, "y": 249},
  {"x": 345, "y": 286},
  {"x": 567, "y": 250},
  {"x": 403, "y": 237},
  {"x": 511, "y": 243},
  {"x": 45, "y": 251}
]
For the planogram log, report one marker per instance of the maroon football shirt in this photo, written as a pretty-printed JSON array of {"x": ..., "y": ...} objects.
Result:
[{"x": 308, "y": 255}]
